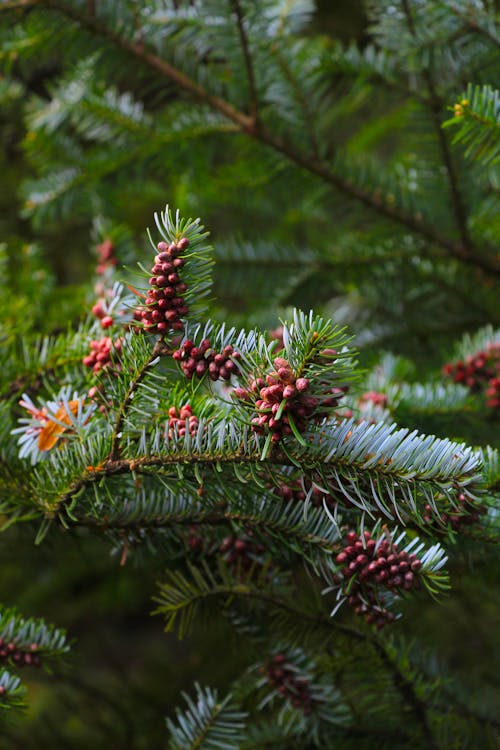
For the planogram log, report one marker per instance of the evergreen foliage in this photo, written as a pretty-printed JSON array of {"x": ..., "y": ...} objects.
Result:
[{"x": 184, "y": 412}]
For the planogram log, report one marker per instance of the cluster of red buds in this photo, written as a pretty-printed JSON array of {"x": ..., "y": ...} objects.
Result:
[
  {"x": 283, "y": 397},
  {"x": 374, "y": 565},
  {"x": 99, "y": 311},
  {"x": 282, "y": 676},
  {"x": 198, "y": 360},
  {"x": 25, "y": 656},
  {"x": 183, "y": 419},
  {"x": 165, "y": 304},
  {"x": 102, "y": 353},
  {"x": 493, "y": 393},
  {"x": 241, "y": 552},
  {"x": 480, "y": 371},
  {"x": 467, "y": 513},
  {"x": 375, "y": 398},
  {"x": 105, "y": 256},
  {"x": 294, "y": 492},
  {"x": 194, "y": 540}
]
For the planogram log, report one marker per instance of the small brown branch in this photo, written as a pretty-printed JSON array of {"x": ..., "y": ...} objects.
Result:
[
  {"x": 248, "y": 126},
  {"x": 435, "y": 107},
  {"x": 302, "y": 101},
  {"x": 139, "y": 51},
  {"x": 254, "y": 101},
  {"x": 407, "y": 690},
  {"x": 206, "y": 518},
  {"x": 456, "y": 196}
]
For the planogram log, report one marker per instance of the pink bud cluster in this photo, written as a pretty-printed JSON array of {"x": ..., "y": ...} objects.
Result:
[
  {"x": 102, "y": 353},
  {"x": 467, "y": 513},
  {"x": 294, "y": 492},
  {"x": 366, "y": 566},
  {"x": 283, "y": 396},
  {"x": 99, "y": 311},
  {"x": 240, "y": 551},
  {"x": 198, "y": 360},
  {"x": 480, "y": 371},
  {"x": 21, "y": 656},
  {"x": 105, "y": 256},
  {"x": 282, "y": 676},
  {"x": 182, "y": 420},
  {"x": 375, "y": 398},
  {"x": 194, "y": 540},
  {"x": 165, "y": 304},
  {"x": 493, "y": 393}
]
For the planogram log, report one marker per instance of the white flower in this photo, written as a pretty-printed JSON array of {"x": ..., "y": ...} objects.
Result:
[{"x": 47, "y": 424}]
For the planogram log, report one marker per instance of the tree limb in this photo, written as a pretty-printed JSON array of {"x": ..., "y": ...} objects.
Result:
[{"x": 248, "y": 126}]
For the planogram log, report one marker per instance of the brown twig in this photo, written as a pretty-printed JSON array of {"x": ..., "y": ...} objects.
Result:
[
  {"x": 435, "y": 107},
  {"x": 254, "y": 101},
  {"x": 248, "y": 126}
]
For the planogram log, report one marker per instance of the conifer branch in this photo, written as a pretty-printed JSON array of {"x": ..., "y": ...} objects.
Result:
[
  {"x": 376, "y": 468},
  {"x": 248, "y": 126},
  {"x": 402, "y": 683},
  {"x": 301, "y": 99},
  {"x": 435, "y": 107},
  {"x": 254, "y": 102},
  {"x": 272, "y": 601},
  {"x": 160, "y": 349},
  {"x": 138, "y": 50},
  {"x": 210, "y": 518},
  {"x": 407, "y": 690},
  {"x": 208, "y": 723},
  {"x": 469, "y": 22},
  {"x": 456, "y": 195}
]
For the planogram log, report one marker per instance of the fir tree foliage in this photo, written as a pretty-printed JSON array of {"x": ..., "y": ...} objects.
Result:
[
  {"x": 166, "y": 459},
  {"x": 24, "y": 643},
  {"x": 276, "y": 482},
  {"x": 477, "y": 115},
  {"x": 248, "y": 81},
  {"x": 207, "y": 723}
]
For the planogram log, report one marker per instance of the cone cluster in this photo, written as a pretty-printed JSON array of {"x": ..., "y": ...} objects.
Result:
[
  {"x": 105, "y": 256},
  {"x": 493, "y": 393},
  {"x": 102, "y": 353},
  {"x": 182, "y": 420},
  {"x": 375, "y": 398},
  {"x": 21, "y": 657},
  {"x": 196, "y": 361},
  {"x": 466, "y": 514},
  {"x": 99, "y": 311},
  {"x": 282, "y": 397},
  {"x": 165, "y": 304},
  {"x": 479, "y": 372},
  {"x": 366, "y": 565},
  {"x": 240, "y": 551},
  {"x": 282, "y": 676},
  {"x": 194, "y": 541}
]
